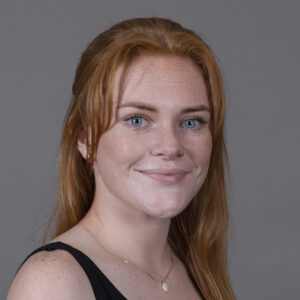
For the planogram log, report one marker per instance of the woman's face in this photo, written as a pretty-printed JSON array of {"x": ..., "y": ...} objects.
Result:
[{"x": 160, "y": 126}]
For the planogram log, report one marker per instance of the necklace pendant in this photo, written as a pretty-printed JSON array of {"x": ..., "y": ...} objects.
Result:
[{"x": 165, "y": 286}]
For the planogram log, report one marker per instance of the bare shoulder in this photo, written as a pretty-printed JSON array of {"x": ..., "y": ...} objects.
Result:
[{"x": 50, "y": 275}]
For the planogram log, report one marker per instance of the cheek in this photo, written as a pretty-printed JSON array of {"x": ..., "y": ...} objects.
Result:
[
  {"x": 201, "y": 150},
  {"x": 206, "y": 150},
  {"x": 200, "y": 154},
  {"x": 118, "y": 151}
]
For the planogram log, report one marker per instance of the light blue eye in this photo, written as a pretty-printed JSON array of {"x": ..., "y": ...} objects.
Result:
[
  {"x": 134, "y": 123},
  {"x": 190, "y": 123}
]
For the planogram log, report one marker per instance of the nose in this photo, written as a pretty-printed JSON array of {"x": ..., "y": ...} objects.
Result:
[{"x": 167, "y": 143}]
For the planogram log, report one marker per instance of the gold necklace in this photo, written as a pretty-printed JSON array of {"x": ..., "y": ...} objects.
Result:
[{"x": 164, "y": 285}]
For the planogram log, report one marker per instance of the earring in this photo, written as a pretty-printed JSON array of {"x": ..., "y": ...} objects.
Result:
[{"x": 88, "y": 156}]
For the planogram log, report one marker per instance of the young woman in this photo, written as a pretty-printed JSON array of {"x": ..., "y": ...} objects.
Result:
[{"x": 142, "y": 210}]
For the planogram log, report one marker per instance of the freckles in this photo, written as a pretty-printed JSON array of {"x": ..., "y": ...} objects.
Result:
[
  {"x": 122, "y": 148},
  {"x": 202, "y": 150},
  {"x": 110, "y": 143},
  {"x": 201, "y": 157},
  {"x": 206, "y": 146},
  {"x": 127, "y": 146}
]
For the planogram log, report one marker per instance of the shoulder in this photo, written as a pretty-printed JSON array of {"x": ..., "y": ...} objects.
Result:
[{"x": 50, "y": 275}]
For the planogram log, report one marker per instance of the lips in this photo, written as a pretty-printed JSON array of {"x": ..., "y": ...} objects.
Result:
[{"x": 165, "y": 175}]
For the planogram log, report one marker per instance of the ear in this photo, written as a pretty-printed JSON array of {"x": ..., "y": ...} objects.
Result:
[{"x": 81, "y": 144}]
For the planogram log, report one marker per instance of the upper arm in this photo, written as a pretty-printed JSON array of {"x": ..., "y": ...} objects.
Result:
[{"x": 49, "y": 275}]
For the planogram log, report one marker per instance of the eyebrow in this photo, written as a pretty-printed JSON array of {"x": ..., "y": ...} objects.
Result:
[{"x": 148, "y": 107}]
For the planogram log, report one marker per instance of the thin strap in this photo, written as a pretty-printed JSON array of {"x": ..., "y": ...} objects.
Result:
[{"x": 102, "y": 287}]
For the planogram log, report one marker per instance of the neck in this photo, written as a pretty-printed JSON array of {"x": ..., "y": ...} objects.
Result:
[{"x": 130, "y": 235}]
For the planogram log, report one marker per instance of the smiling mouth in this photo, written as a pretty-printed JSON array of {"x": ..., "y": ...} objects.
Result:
[{"x": 165, "y": 178}]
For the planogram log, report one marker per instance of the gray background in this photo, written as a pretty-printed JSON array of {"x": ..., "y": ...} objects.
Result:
[{"x": 257, "y": 45}]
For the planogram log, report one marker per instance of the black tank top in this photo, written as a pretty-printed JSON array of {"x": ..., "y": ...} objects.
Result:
[{"x": 102, "y": 287}]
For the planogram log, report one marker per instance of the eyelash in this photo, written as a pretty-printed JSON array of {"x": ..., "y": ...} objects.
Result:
[{"x": 140, "y": 115}]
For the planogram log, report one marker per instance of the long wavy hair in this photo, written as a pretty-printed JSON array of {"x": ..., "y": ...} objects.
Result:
[{"x": 198, "y": 235}]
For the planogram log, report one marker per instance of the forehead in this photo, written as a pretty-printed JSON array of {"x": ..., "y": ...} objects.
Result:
[{"x": 160, "y": 80}]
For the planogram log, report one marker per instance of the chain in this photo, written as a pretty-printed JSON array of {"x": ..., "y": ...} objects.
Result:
[{"x": 126, "y": 260}]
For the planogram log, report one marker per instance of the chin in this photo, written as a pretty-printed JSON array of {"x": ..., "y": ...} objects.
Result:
[{"x": 160, "y": 212}]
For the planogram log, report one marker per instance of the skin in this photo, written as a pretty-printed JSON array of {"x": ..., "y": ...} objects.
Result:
[{"x": 131, "y": 212}]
